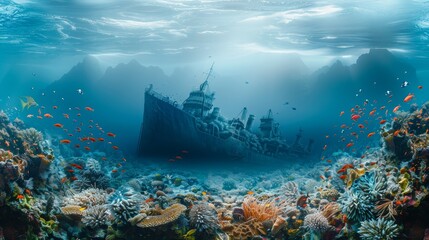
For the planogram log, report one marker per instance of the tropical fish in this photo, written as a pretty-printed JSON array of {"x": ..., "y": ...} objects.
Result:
[
  {"x": 20, "y": 196},
  {"x": 115, "y": 147},
  {"x": 341, "y": 113},
  {"x": 55, "y": 107},
  {"x": 396, "y": 108},
  {"x": 355, "y": 117},
  {"x": 420, "y": 87},
  {"x": 47, "y": 115},
  {"x": 76, "y": 166},
  {"x": 65, "y": 141},
  {"x": 302, "y": 201},
  {"x": 89, "y": 109},
  {"x": 58, "y": 125},
  {"x": 30, "y": 102},
  {"x": 87, "y": 148},
  {"x": 382, "y": 121},
  {"x": 371, "y": 134},
  {"x": 349, "y": 145},
  {"x": 409, "y": 97},
  {"x": 111, "y": 134},
  {"x": 30, "y": 115},
  {"x": 372, "y": 112},
  {"x": 345, "y": 167},
  {"x": 101, "y": 139}
]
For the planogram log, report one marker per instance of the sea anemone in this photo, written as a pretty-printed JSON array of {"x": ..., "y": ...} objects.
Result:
[
  {"x": 316, "y": 222},
  {"x": 380, "y": 229},
  {"x": 203, "y": 218},
  {"x": 259, "y": 210},
  {"x": 124, "y": 204},
  {"x": 372, "y": 184},
  {"x": 96, "y": 216},
  {"x": 357, "y": 206}
]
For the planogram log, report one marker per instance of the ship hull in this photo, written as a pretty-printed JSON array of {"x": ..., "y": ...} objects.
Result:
[{"x": 168, "y": 131}]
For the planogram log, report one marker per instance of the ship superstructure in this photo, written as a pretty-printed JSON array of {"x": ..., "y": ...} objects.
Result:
[{"x": 199, "y": 128}]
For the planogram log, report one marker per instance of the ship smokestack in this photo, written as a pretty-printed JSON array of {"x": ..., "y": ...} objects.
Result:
[
  {"x": 244, "y": 114},
  {"x": 215, "y": 112},
  {"x": 250, "y": 122}
]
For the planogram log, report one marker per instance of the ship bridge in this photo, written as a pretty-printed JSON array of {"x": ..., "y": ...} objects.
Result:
[{"x": 200, "y": 101}]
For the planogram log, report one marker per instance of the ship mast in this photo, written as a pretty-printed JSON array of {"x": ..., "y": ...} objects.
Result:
[{"x": 202, "y": 88}]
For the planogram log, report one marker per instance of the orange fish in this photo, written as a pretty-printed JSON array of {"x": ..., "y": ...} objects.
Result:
[
  {"x": 65, "y": 141},
  {"x": 114, "y": 170},
  {"x": 420, "y": 87},
  {"x": 73, "y": 178},
  {"x": 343, "y": 177},
  {"x": 92, "y": 139},
  {"x": 361, "y": 126},
  {"x": 372, "y": 112},
  {"x": 66, "y": 115},
  {"x": 396, "y": 133},
  {"x": 115, "y": 147},
  {"x": 101, "y": 139},
  {"x": 396, "y": 108},
  {"x": 70, "y": 171},
  {"x": 76, "y": 166},
  {"x": 371, "y": 134},
  {"x": 343, "y": 126},
  {"x": 341, "y": 113},
  {"x": 178, "y": 157},
  {"x": 322, "y": 177},
  {"x": 20, "y": 196},
  {"x": 250, "y": 192},
  {"x": 349, "y": 145},
  {"x": 87, "y": 148},
  {"x": 383, "y": 121},
  {"x": 302, "y": 201},
  {"x": 355, "y": 117},
  {"x": 345, "y": 167},
  {"x": 58, "y": 125},
  {"x": 89, "y": 109},
  {"x": 63, "y": 180},
  {"x": 408, "y": 98},
  {"x": 47, "y": 115},
  {"x": 55, "y": 107},
  {"x": 104, "y": 158},
  {"x": 111, "y": 134}
]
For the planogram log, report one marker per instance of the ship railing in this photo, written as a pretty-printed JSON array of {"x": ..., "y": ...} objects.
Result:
[{"x": 164, "y": 98}]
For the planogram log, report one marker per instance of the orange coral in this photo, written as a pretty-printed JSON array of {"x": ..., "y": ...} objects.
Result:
[{"x": 260, "y": 211}]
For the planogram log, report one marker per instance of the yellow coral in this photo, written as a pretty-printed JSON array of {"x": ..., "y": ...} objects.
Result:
[
  {"x": 168, "y": 215},
  {"x": 72, "y": 210}
]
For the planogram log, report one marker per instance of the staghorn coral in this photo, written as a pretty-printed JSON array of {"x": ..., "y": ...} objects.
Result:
[
  {"x": 124, "y": 204},
  {"x": 168, "y": 215},
  {"x": 87, "y": 198},
  {"x": 259, "y": 210},
  {"x": 380, "y": 229},
  {"x": 316, "y": 222},
  {"x": 357, "y": 206},
  {"x": 96, "y": 216},
  {"x": 203, "y": 218}
]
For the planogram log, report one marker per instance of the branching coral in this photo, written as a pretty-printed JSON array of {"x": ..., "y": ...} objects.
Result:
[
  {"x": 203, "y": 218},
  {"x": 259, "y": 210},
  {"x": 168, "y": 215},
  {"x": 87, "y": 198},
  {"x": 380, "y": 229},
  {"x": 386, "y": 209},
  {"x": 92, "y": 179},
  {"x": 124, "y": 204},
  {"x": 316, "y": 222},
  {"x": 31, "y": 136},
  {"x": 96, "y": 216},
  {"x": 357, "y": 206}
]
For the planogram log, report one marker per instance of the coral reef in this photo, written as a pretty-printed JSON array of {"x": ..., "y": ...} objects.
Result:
[
  {"x": 166, "y": 216},
  {"x": 203, "y": 218},
  {"x": 96, "y": 216},
  {"x": 124, "y": 205},
  {"x": 380, "y": 229}
]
